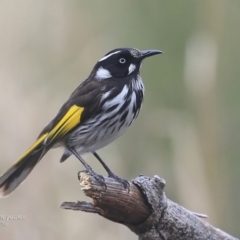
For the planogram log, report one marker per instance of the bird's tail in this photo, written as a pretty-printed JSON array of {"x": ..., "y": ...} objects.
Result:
[{"x": 22, "y": 167}]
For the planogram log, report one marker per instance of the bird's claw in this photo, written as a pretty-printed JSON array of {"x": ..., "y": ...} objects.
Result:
[
  {"x": 124, "y": 182},
  {"x": 100, "y": 179}
]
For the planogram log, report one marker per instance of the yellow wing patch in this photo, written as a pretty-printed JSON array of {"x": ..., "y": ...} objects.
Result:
[
  {"x": 34, "y": 146},
  {"x": 70, "y": 120},
  {"x": 66, "y": 124}
]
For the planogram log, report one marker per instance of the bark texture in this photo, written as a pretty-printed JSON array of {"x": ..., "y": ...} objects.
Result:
[{"x": 145, "y": 209}]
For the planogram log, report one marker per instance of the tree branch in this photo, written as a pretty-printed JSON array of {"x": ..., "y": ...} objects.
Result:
[{"x": 145, "y": 209}]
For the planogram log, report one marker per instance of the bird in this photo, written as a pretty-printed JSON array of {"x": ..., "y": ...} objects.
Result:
[{"x": 97, "y": 112}]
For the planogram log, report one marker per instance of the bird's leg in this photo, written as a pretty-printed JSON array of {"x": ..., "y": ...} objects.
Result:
[
  {"x": 98, "y": 177},
  {"x": 124, "y": 182}
]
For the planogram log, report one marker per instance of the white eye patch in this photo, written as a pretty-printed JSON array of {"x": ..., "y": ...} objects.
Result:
[
  {"x": 102, "y": 74},
  {"x": 131, "y": 68},
  {"x": 107, "y": 56}
]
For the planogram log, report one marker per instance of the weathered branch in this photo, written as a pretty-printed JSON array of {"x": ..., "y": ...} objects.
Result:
[{"x": 145, "y": 209}]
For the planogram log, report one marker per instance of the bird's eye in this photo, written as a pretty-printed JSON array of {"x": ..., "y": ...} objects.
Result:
[{"x": 122, "y": 60}]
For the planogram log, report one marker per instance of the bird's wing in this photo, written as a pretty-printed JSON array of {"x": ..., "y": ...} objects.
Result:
[{"x": 82, "y": 104}]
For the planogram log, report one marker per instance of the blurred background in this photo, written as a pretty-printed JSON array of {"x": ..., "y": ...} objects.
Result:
[{"x": 188, "y": 131}]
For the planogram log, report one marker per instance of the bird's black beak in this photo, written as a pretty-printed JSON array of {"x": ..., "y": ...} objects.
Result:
[{"x": 149, "y": 53}]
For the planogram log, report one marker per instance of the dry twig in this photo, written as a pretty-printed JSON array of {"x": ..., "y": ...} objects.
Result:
[{"x": 145, "y": 210}]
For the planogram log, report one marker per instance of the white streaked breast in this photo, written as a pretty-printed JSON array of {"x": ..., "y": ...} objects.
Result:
[
  {"x": 138, "y": 84},
  {"x": 119, "y": 99}
]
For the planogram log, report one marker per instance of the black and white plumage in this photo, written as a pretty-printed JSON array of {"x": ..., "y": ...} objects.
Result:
[{"x": 97, "y": 112}]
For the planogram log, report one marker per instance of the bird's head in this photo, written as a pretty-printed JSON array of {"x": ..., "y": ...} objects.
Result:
[{"x": 121, "y": 62}]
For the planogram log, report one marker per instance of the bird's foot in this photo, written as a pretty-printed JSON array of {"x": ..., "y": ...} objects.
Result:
[{"x": 124, "y": 182}]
